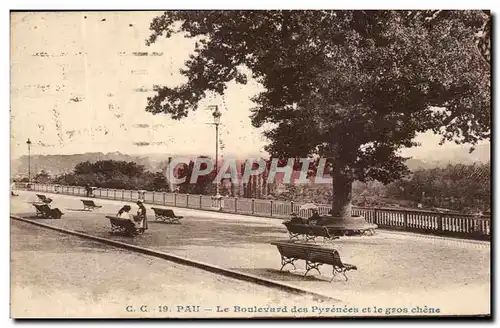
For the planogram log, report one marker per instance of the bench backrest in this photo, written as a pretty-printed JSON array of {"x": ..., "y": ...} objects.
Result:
[
  {"x": 316, "y": 230},
  {"x": 119, "y": 221},
  {"x": 293, "y": 251},
  {"x": 336, "y": 258},
  {"x": 164, "y": 211},
  {"x": 309, "y": 252},
  {"x": 42, "y": 207},
  {"x": 323, "y": 256},
  {"x": 297, "y": 228}
]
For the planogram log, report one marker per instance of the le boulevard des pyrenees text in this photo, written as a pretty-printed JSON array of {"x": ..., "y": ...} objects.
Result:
[{"x": 317, "y": 310}]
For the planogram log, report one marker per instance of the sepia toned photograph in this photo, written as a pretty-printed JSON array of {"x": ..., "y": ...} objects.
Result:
[{"x": 201, "y": 164}]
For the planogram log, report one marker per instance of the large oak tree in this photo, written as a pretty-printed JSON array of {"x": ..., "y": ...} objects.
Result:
[{"x": 352, "y": 86}]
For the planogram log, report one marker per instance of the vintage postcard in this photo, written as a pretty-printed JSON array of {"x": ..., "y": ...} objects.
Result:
[{"x": 250, "y": 164}]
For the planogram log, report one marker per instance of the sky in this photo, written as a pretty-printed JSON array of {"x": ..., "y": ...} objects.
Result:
[{"x": 78, "y": 84}]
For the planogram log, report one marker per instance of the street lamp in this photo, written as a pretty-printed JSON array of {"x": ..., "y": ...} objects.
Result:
[
  {"x": 29, "y": 160},
  {"x": 216, "y": 114}
]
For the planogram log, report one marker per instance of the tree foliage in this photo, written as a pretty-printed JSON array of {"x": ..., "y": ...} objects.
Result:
[
  {"x": 114, "y": 174},
  {"x": 202, "y": 186},
  {"x": 459, "y": 187},
  {"x": 352, "y": 86},
  {"x": 42, "y": 177}
]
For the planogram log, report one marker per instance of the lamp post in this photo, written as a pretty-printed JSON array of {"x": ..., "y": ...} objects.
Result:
[
  {"x": 29, "y": 162},
  {"x": 216, "y": 114},
  {"x": 217, "y": 199}
]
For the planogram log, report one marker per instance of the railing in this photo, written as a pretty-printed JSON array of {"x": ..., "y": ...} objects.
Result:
[{"x": 457, "y": 225}]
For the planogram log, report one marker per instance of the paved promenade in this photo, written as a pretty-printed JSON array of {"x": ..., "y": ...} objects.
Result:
[
  {"x": 399, "y": 270},
  {"x": 59, "y": 275}
]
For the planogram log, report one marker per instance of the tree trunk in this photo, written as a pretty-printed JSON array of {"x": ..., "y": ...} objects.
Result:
[
  {"x": 342, "y": 195},
  {"x": 233, "y": 187}
]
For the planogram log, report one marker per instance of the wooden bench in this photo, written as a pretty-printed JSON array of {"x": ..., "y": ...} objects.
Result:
[
  {"x": 123, "y": 226},
  {"x": 310, "y": 232},
  {"x": 44, "y": 199},
  {"x": 45, "y": 211},
  {"x": 314, "y": 256},
  {"x": 89, "y": 205},
  {"x": 166, "y": 215}
]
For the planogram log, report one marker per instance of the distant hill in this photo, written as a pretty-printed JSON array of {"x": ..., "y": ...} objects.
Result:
[
  {"x": 60, "y": 164},
  {"x": 444, "y": 156}
]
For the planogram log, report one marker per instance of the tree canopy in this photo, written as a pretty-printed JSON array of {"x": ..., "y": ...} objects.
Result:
[
  {"x": 460, "y": 187},
  {"x": 114, "y": 174},
  {"x": 352, "y": 86}
]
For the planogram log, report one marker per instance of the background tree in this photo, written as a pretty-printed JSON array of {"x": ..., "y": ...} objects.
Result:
[
  {"x": 42, "y": 177},
  {"x": 352, "y": 86},
  {"x": 203, "y": 185},
  {"x": 458, "y": 187},
  {"x": 114, "y": 174}
]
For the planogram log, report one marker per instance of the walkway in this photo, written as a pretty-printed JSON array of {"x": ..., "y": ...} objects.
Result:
[{"x": 394, "y": 269}]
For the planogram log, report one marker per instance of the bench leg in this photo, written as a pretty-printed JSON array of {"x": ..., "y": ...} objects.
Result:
[
  {"x": 294, "y": 236},
  {"x": 310, "y": 238},
  {"x": 369, "y": 232},
  {"x": 286, "y": 260},
  {"x": 312, "y": 266},
  {"x": 341, "y": 270},
  {"x": 116, "y": 229}
]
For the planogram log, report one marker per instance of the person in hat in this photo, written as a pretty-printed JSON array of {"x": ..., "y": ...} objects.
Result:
[
  {"x": 315, "y": 218},
  {"x": 124, "y": 213},
  {"x": 141, "y": 214}
]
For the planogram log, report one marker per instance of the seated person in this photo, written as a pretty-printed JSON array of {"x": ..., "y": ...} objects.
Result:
[
  {"x": 12, "y": 187},
  {"x": 296, "y": 219},
  {"x": 124, "y": 213},
  {"x": 315, "y": 218}
]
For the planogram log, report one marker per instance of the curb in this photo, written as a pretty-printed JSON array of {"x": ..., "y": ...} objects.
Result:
[{"x": 185, "y": 261}]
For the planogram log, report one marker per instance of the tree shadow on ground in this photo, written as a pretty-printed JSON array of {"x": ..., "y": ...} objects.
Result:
[
  {"x": 285, "y": 275},
  {"x": 35, "y": 217},
  {"x": 77, "y": 210}
]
